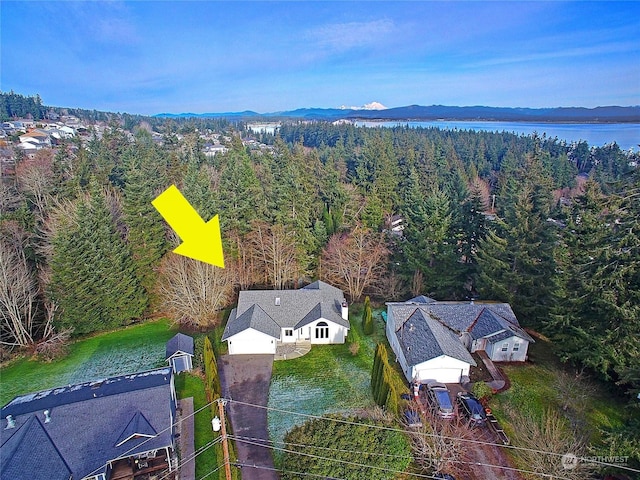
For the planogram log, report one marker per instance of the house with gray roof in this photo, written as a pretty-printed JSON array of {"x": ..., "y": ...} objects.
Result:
[
  {"x": 434, "y": 340},
  {"x": 264, "y": 319},
  {"x": 98, "y": 430}
]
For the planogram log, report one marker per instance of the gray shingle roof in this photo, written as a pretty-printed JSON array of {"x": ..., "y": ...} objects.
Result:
[
  {"x": 268, "y": 311},
  {"x": 18, "y": 457},
  {"x": 87, "y": 422},
  {"x": 254, "y": 317},
  {"x": 423, "y": 338},
  {"x": 179, "y": 343},
  {"x": 427, "y": 328}
]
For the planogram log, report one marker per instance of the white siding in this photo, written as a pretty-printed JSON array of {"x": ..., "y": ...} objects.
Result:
[
  {"x": 443, "y": 369},
  {"x": 251, "y": 342},
  {"x": 325, "y": 332},
  {"x": 497, "y": 353}
]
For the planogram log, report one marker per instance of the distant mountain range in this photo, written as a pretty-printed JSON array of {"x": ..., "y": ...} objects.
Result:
[{"x": 375, "y": 111}]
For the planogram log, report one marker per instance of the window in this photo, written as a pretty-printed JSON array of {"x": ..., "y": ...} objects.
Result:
[
  {"x": 288, "y": 332},
  {"x": 505, "y": 347},
  {"x": 322, "y": 330},
  {"x": 516, "y": 347}
]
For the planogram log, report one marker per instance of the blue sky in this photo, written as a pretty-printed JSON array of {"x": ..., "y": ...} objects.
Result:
[{"x": 179, "y": 56}]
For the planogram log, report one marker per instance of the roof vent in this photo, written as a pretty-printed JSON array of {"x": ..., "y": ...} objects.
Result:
[
  {"x": 277, "y": 301},
  {"x": 11, "y": 423},
  {"x": 47, "y": 416}
]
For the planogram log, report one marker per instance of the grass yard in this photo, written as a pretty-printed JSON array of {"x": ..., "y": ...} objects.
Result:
[
  {"x": 547, "y": 383},
  {"x": 544, "y": 387},
  {"x": 132, "y": 349},
  {"x": 329, "y": 379},
  {"x": 188, "y": 385}
]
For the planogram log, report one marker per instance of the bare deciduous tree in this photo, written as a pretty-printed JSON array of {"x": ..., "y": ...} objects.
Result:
[
  {"x": 441, "y": 445},
  {"x": 275, "y": 253},
  {"x": 355, "y": 261},
  {"x": 243, "y": 262},
  {"x": 193, "y": 292},
  {"x": 550, "y": 434},
  {"x": 18, "y": 296},
  {"x": 35, "y": 176},
  {"x": 9, "y": 198}
]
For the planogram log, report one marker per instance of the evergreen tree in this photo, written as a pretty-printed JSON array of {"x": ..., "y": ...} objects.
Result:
[
  {"x": 597, "y": 322},
  {"x": 145, "y": 178},
  {"x": 239, "y": 194},
  {"x": 367, "y": 317},
  {"x": 429, "y": 246},
  {"x": 93, "y": 278},
  {"x": 516, "y": 262}
]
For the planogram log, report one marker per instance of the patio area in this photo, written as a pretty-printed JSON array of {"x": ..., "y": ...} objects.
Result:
[
  {"x": 288, "y": 351},
  {"x": 142, "y": 469}
]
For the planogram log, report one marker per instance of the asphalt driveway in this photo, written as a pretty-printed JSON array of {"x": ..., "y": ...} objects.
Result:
[{"x": 246, "y": 379}]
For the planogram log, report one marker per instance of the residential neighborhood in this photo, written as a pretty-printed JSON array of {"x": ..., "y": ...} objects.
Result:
[{"x": 391, "y": 302}]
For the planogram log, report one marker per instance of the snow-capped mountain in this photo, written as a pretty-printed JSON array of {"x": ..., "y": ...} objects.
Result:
[{"x": 367, "y": 106}]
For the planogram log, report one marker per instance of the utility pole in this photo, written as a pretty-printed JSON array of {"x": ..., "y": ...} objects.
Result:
[{"x": 225, "y": 447}]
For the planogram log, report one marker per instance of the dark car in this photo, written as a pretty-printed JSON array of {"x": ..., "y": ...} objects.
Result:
[
  {"x": 471, "y": 408},
  {"x": 438, "y": 395}
]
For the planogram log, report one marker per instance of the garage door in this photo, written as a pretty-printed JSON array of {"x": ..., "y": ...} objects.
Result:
[{"x": 443, "y": 375}]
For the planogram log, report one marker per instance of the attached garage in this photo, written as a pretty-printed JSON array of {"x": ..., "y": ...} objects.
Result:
[
  {"x": 251, "y": 341},
  {"x": 443, "y": 369}
]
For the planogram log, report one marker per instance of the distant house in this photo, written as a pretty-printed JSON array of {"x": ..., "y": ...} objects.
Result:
[
  {"x": 35, "y": 139},
  {"x": 394, "y": 224},
  {"x": 263, "y": 319},
  {"x": 433, "y": 340},
  {"x": 179, "y": 353},
  {"x": 98, "y": 430}
]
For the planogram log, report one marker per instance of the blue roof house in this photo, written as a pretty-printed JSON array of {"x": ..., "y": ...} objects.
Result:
[
  {"x": 433, "y": 340},
  {"x": 101, "y": 430}
]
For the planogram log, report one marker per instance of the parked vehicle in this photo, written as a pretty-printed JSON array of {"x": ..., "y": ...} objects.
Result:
[
  {"x": 471, "y": 408},
  {"x": 438, "y": 395}
]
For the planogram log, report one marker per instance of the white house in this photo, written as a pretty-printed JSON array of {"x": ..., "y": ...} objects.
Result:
[
  {"x": 263, "y": 319},
  {"x": 432, "y": 340}
]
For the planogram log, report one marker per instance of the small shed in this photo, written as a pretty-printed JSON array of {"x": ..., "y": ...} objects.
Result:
[{"x": 180, "y": 353}]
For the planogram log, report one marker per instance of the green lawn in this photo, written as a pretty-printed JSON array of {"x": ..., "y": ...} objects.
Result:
[
  {"x": 545, "y": 386},
  {"x": 133, "y": 349},
  {"x": 192, "y": 386},
  {"x": 328, "y": 379}
]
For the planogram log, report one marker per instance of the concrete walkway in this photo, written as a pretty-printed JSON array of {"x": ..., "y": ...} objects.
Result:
[
  {"x": 498, "y": 382},
  {"x": 187, "y": 469},
  {"x": 245, "y": 379},
  {"x": 288, "y": 351}
]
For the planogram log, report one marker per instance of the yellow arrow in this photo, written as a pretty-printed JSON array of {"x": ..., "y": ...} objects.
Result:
[{"x": 200, "y": 240}]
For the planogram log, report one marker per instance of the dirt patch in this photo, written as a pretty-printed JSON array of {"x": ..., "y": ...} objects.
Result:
[{"x": 487, "y": 460}]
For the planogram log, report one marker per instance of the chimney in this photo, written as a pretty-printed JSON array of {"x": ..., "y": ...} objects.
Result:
[
  {"x": 11, "y": 423},
  {"x": 345, "y": 310},
  {"x": 47, "y": 416}
]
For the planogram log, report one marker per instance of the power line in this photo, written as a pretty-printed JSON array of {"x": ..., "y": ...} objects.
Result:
[
  {"x": 478, "y": 442},
  {"x": 333, "y": 459},
  {"x": 124, "y": 454}
]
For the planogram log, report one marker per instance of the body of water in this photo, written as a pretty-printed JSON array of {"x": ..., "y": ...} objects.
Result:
[{"x": 626, "y": 135}]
